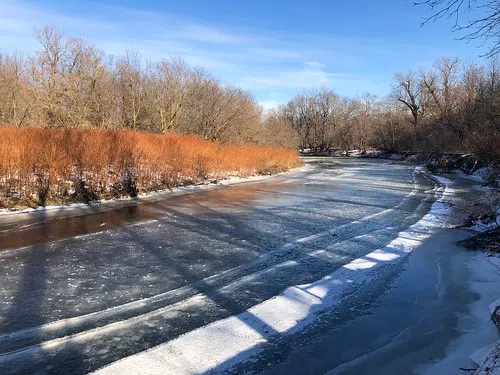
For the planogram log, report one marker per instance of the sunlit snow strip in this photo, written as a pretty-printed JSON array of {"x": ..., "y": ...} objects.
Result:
[{"x": 219, "y": 346}]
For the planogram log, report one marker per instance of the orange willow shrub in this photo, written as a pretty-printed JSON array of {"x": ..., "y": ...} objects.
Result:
[{"x": 68, "y": 165}]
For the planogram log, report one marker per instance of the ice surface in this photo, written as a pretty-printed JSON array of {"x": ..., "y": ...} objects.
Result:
[{"x": 226, "y": 342}]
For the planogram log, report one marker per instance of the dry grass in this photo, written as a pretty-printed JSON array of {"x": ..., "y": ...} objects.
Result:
[{"x": 39, "y": 166}]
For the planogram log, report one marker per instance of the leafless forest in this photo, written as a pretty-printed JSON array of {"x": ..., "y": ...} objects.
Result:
[{"x": 452, "y": 107}]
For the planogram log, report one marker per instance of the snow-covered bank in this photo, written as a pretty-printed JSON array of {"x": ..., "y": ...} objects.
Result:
[
  {"x": 491, "y": 364},
  {"x": 144, "y": 197},
  {"x": 227, "y": 342},
  {"x": 480, "y": 212},
  {"x": 488, "y": 358},
  {"x": 474, "y": 329},
  {"x": 481, "y": 209}
]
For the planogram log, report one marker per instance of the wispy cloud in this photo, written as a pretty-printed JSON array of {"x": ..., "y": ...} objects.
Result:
[
  {"x": 314, "y": 64},
  {"x": 209, "y": 34},
  {"x": 309, "y": 76},
  {"x": 20, "y": 18},
  {"x": 276, "y": 53},
  {"x": 274, "y": 66}
]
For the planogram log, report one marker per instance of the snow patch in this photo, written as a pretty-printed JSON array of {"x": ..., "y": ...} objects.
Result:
[
  {"x": 480, "y": 355},
  {"x": 481, "y": 226},
  {"x": 491, "y": 363}
]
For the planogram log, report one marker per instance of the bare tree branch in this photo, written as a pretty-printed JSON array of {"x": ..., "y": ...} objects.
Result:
[{"x": 484, "y": 26}]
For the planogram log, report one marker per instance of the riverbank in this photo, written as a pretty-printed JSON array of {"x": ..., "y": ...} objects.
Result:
[
  {"x": 59, "y": 167},
  {"x": 477, "y": 211},
  {"x": 77, "y": 209},
  {"x": 488, "y": 358}
]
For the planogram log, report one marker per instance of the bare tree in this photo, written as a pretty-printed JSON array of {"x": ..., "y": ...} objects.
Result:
[
  {"x": 441, "y": 87},
  {"x": 325, "y": 106},
  {"x": 408, "y": 91},
  {"x": 389, "y": 129},
  {"x": 483, "y": 26},
  {"x": 216, "y": 112},
  {"x": 469, "y": 94},
  {"x": 367, "y": 110},
  {"x": 314, "y": 116},
  {"x": 168, "y": 83},
  {"x": 278, "y": 131},
  {"x": 48, "y": 72},
  {"x": 14, "y": 90},
  {"x": 299, "y": 117},
  {"x": 347, "y": 113},
  {"x": 130, "y": 83}
]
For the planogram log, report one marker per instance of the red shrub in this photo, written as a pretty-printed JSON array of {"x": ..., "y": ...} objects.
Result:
[{"x": 67, "y": 165}]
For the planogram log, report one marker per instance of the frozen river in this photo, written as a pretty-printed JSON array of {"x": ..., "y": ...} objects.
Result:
[{"x": 189, "y": 272}]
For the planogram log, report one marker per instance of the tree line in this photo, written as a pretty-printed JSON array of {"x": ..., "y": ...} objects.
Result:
[
  {"x": 452, "y": 107},
  {"x": 70, "y": 83}
]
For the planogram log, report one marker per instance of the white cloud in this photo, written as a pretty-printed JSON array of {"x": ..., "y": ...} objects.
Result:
[
  {"x": 20, "y": 18},
  {"x": 269, "y": 105},
  {"x": 314, "y": 64},
  {"x": 209, "y": 34}
]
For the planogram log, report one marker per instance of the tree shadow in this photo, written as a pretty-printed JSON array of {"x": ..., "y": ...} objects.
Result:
[
  {"x": 30, "y": 307},
  {"x": 276, "y": 341}
]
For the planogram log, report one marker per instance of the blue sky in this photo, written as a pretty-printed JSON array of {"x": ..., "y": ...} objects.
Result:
[{"x": 273, "y": 48}]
